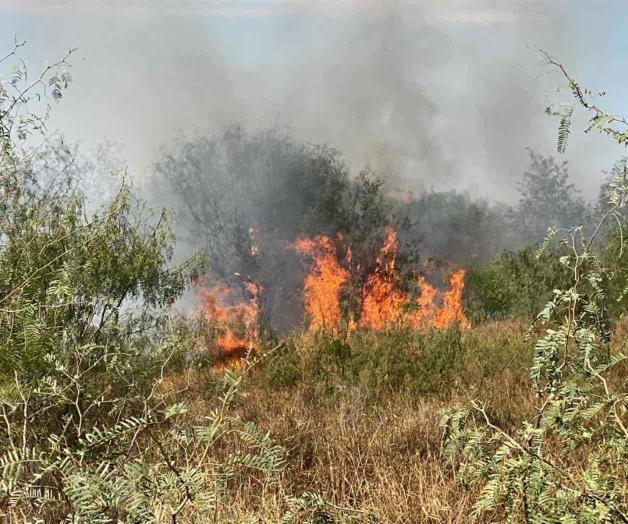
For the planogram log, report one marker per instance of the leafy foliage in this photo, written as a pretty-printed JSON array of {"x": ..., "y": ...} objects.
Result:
[
  {"x": 159, "y": 464},
  {"x": 18, "y": 94},
  {"x": 547, "y": 200},
  {"x": 378, "y": 365},
  {"x": 540, "y": 473},
  {"x": 95, "y": 424},
  {"x": 516, "y": 285}
]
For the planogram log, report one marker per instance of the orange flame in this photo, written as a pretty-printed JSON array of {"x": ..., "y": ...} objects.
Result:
[
  {"x": 451, "y": 311},
  {"x": 429, "y": 313},
  {"x": 236, "y": 321},
  {"x": 322, "y": 283},
  {"x": 426, "y": 312},
  {"x": 384, "y": 303}
]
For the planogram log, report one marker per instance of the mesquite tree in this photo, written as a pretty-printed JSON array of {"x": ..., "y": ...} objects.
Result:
[{"x": 566, "y": 464}]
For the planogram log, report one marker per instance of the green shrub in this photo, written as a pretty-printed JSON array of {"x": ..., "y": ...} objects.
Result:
[
  {"x": 283, "y": 370},
  {"x": 382, "y": 363},
  {"x": 567, "y": 463},
  {"x": 440, "y": 360},
  {"x": 517, "y": 284},
  {"x": 614, "y": 257},
  {"x": 93, "y": 370},
  {"x": 68, "y": 278},
  {"x": 379, "y": 363}
]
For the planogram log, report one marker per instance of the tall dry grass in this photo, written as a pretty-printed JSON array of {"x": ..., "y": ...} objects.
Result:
[{"x": 380, "y": 456}]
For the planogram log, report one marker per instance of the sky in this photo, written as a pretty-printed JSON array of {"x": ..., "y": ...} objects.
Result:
[{"x": 442, "y": 94}]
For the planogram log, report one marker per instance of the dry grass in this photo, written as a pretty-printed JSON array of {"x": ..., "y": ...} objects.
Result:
[{"x": 383, "y": 458}]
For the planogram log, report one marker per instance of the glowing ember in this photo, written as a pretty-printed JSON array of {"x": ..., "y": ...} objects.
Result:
[
  {"x": 322, "y": 283},
  {"x": 235, "y": 321}
]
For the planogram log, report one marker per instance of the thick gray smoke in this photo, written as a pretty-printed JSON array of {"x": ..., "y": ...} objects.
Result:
[{"x": 433, "y": 94}]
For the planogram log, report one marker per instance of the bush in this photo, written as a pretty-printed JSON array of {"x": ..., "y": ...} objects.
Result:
[
  {"x": 516, "y": 285},
  {"x": 379, "y": 364},
  {"x": 93, "y": 429},
  {"x": 244, "y": 198},
  {"x": 440, "y": 361},
  {"x": 547, "y": 199},
  {"x": 283, "y": 370},
  {"x": 566, "y": 463},
  {"x": 614, "y": 258}
]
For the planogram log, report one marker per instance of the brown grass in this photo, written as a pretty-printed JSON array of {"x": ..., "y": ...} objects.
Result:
[{"x": 383, "y": 458}]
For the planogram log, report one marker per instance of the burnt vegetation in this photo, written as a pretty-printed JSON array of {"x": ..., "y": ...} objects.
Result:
[{"x": 356, "y": 355}]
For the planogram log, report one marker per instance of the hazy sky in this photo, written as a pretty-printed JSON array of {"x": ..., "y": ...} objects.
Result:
[{"x": 431, "y": 93}]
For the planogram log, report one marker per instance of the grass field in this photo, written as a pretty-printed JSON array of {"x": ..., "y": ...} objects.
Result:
[{"x": 360, "y": 417}]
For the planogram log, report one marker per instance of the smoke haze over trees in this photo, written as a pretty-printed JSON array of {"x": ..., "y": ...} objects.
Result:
[
  {"x": 547, "y": 198},
  {"x": 433, "y": 95},
  {"x": 244, "y": 199},
  {"x": 437, "y": 100}
]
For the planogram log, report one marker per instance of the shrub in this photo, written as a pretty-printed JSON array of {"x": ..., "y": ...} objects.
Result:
[
  {"x": 426, "y": 363},
  {"x": 547, "y": 200},
  {"x": 153, "y": 463},
  {"x": 440, "y": 360},
  {"x": 283, "y": 370},
  {"x": 566, "y": 463},
  {"x": 244, "y": 198},
  {"x": 93, "y": 426},
  {"x": 517, "y": 284}
]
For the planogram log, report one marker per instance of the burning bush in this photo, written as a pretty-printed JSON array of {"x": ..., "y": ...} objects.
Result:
[
  {"x": 323, "y": 283},
  {"x": 224, "y": 185},
  {"x": 233, "y": 325},
  {"x": 332, "y": 304},
  {"x": 382, "y": 300}
]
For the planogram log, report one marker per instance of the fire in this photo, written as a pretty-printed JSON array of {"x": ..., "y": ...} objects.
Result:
[
  {"x": 235, "y": 320},
  {"x": 323, "y": 282},
  {"x": 383, "y": 301},
  {"x": 451, "y": 310},
  {"x": 430, "y": 313},
  {"x": 426, "y": 312}
]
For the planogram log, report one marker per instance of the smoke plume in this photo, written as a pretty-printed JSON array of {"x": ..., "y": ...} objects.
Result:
[{"x": 443, "y": 94}]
